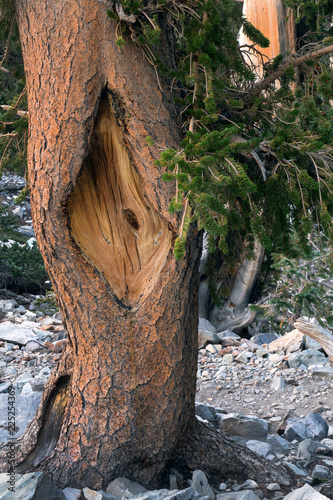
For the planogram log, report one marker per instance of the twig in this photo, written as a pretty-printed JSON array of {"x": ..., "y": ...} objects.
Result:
[{"x": 122, "y": 16}]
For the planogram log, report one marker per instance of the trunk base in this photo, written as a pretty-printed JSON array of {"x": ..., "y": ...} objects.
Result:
[{"x": 221, "y": 458}]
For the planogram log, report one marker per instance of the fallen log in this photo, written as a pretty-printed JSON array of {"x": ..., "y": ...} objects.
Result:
[{"x": 318, "y": 333}]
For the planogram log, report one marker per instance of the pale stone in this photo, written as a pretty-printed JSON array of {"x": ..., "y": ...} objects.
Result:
[
  {"x": 245, "y": 426},
  {"x": 16, "y": 334},
  {"x": 259, "y": 447},
  {"x": 91, "y": 494},
  {"x": 72, "y": 493},
  {"x": 200, "y": 484},
  {"x": 35, "y": 485},
  {"x": 305, "y": 493},
  {"x": 123, "y": 487}
]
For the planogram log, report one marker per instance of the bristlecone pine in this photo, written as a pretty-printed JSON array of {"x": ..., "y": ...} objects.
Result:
[{"x": 121, "y": 400}]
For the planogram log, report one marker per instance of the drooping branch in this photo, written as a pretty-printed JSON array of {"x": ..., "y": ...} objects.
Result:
[
  {"x": 317, "y": 332},
  {"x": 291, "y": 61}
]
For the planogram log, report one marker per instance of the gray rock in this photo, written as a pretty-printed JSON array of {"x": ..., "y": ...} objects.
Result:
[
  {"x": 307, "y": 448},
  {"x": 206, "y": 412},
  {"x": 4, "y": 387},
  {"x": 185, "y": 495},
  {"x": 305, "y": 493},
  {"x": 313, "y": 426},
  {"x": 294, "y": 360},
  {"x": 248, "y": 485},
  {"x": 155, "y": 495},
  {"x": 273, "y": 487},
  {"x": 22, "y": 380},
  {"x": 207, "y": 337},
  {"x": 243, "y": 357},
  {"x": 321, "y": 472},
  {"x": 204, "y": 324},
  {"x": 312, "y": 343},
  {"x": 295, "y": 429},
  {"x": 312, "y": 357},
  {"x": 27, "y": 405},
  {"x": 327, "y": 442},
  {"x": 322, "y": 371},
  {"x": 316, "y": 426},
  {"x": 33, "y": 346},
  {"x": 228, "y": 334},
  {"x": 278, "y": 384},
  {"x": 123, "y": 487},
  {"x": 238, "y": 495},
  {"x": 32, "y": 486},
  {"x": 26, "y": 390},
  {"x": 259, "y": 447},
  {"x": 72, "y": 493},
  {"x": 10, "y": 332},
  {"x": 278, "y": 443},
  {"x": 200, "y": 484},
  {"x": 245, "y": 426},
  {"x": 107, "y": 496},
  {"x": 297, "y": 471},
  {"x": 262, "y": 353},
  {"x": 264, "y": 338},
  {"x": 227, "y": 359}
]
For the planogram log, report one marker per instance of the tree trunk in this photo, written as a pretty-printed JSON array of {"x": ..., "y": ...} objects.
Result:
[
  {"x": 234, "y": 315},
  {"x": 123, "y": 393},
  {"x": 270, "y": 17},
  {"x": 121, "y": 399}
]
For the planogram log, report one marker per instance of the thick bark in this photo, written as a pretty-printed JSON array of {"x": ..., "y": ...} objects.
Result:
[{"x": 123, "y": 393}]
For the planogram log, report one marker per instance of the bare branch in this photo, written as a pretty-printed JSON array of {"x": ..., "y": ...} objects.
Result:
[
  {"x": 291, "y": 61},
  {"x": 122, "y": 16},
  {"x": 19, "y": 112}
]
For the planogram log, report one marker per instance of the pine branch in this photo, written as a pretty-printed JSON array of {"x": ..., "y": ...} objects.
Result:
[{"x": 260, "y": 86}]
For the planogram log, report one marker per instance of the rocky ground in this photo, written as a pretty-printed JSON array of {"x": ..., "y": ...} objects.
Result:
[
  {"x": 254, "y": 377},
  {"x": 274, "y": 397}
]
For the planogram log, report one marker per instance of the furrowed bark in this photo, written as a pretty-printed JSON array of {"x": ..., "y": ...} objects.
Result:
[{"x": 100, "y": 213}]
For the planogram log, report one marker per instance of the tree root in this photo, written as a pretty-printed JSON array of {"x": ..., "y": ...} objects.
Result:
[{"x": 220, "y": 458}]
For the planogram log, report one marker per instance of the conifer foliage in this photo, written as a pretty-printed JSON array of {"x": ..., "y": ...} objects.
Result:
[
  {"x": 13, "y": 100},
  {"x": 255, "y": 162}
]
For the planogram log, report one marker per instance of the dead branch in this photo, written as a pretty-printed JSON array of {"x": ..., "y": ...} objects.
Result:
[
  {"x": 19, "y": 112},
  {"x": 291, "y": 61}
]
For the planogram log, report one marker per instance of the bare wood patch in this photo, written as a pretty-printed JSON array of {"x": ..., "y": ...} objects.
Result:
[{"x": 111, "y": 221}]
